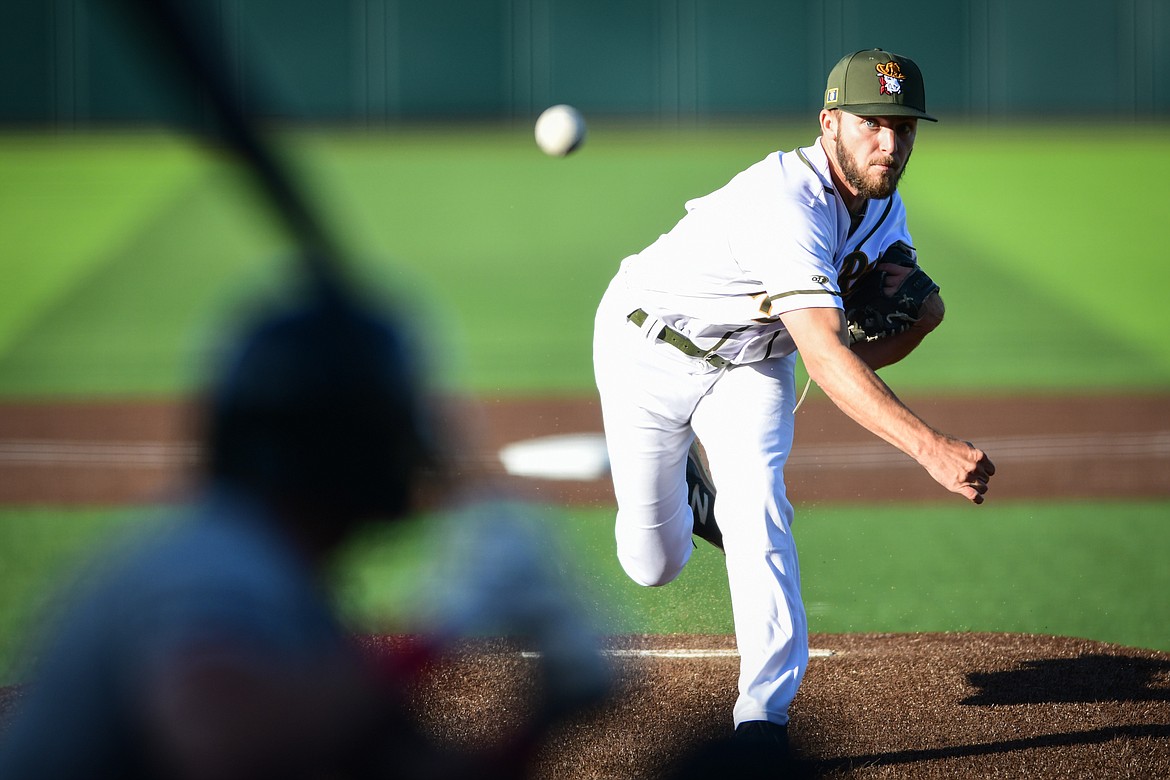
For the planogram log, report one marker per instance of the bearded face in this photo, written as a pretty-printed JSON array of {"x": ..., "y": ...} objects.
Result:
[
  {"x": 871, "y": 153},
  {"x": 875, "y": 177}
]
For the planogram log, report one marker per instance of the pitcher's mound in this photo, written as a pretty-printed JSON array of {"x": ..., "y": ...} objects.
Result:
[{"x": 888, "y": 705}]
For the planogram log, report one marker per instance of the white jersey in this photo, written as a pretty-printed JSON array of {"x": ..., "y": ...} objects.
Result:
[{"x": 774, "y": 239}]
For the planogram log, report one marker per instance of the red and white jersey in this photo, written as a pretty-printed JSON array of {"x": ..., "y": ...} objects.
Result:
[{"x": 774, "y": 239}]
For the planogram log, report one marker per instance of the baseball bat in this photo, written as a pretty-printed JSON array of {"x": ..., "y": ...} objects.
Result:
[{"x": 178, "y": 39}]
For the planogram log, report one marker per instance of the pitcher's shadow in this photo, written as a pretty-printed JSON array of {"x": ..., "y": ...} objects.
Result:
[{"x": 1087, "y": 678}]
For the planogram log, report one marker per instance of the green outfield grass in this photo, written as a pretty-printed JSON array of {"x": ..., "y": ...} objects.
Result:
[
  {"x": 126, "y": 254},
  {"x": 1090, "y": 570}
]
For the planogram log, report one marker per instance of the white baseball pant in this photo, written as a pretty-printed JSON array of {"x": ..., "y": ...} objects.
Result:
[{"x": 654, "y": 401}]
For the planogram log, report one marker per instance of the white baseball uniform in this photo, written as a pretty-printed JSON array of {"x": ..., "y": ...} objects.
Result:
[{"x": 774, "y": 239}]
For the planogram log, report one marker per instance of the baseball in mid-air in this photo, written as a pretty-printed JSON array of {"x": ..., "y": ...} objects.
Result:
[{"x": 560, "y": 130}]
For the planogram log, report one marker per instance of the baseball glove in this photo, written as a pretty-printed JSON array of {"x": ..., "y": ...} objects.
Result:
[{"x": 871, "y": 313}]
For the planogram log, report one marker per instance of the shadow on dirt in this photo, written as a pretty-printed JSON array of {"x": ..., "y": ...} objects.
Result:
[
  {"x": 1089, "y": 678},
  {"x": 1093, "y": 736}
]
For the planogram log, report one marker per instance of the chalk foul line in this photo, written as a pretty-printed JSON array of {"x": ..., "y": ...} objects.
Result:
[{"x": 682, "y": 652}]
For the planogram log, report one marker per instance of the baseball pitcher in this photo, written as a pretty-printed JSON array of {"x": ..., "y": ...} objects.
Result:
[{"x": 697, "y": 335}]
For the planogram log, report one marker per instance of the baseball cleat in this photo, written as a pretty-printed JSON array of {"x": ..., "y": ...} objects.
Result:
[
  {"x": 763, "y": 732},
  {"x": 701, "y": 496}
]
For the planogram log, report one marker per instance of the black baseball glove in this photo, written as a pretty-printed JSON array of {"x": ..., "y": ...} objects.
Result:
[{"x": 871, "y": 313}]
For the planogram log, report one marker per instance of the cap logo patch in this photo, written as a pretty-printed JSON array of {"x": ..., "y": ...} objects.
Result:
[
  {"x": 831, "y": 95},
  {"x": 891, "y": 77}
]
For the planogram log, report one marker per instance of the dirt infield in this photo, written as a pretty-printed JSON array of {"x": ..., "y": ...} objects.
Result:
[
  {"x": 119, "y": 452},
  {"x": 923, "y": 705},
  {"x": 872, "y": 706}
]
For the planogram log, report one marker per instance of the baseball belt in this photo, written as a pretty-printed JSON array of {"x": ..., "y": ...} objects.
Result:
[{"x": 679, "y": 341}]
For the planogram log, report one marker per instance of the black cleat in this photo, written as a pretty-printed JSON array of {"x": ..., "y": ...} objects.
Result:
[
  {"x": 772, "y": 736},
  {"x": 701, "y": 496},
  {"x": 765, "y": 753}
]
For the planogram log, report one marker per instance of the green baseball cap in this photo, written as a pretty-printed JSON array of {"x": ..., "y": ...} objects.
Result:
[{"x": 873, "y": 82}]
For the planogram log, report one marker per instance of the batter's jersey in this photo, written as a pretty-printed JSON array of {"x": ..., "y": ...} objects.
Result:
[{"x": 774, "y": 239}]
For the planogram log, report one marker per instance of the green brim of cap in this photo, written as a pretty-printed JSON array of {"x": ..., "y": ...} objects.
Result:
[{"x": 884, "y": 109}]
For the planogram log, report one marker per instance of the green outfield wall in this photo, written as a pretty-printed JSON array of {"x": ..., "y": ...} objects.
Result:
[{"x": 72, "y": 62}]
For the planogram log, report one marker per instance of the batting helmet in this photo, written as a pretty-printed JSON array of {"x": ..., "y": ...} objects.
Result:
[{"x": 322, "y": 401}]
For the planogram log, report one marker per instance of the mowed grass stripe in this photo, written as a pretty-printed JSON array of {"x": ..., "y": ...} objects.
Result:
[
  {"x": 71, "y": 202},
  {"x": 141, "y": 321},
  {"x": 506, "y": 253}
]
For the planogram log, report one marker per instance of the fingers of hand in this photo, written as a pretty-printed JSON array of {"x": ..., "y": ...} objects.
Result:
[
  {"x": 987, "y": 466},
  {"x": 978, "y": 487},
  {"x": 894, "y": 275},
  {"x": 974, "y": 486},
  {"x": 972, "y": 491},
  {"x": 983, "y": 468}
]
